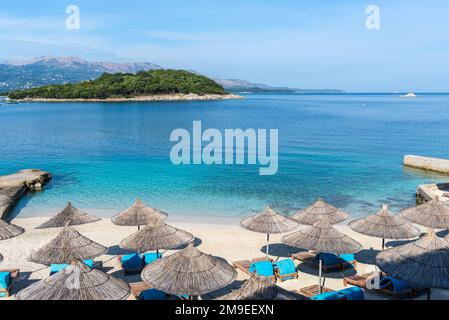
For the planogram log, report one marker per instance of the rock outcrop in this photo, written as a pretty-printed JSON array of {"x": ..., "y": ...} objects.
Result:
[{"x": 13, "y": 186}]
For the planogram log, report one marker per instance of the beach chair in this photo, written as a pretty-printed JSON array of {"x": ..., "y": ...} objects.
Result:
[
  {"x": 314, "y": 290},
  {"x": 244, "y": 265},
  {"x": 388, "y": 286},
  {"x": 352, "y": 293},
  {"x": 150, "y": 257},
  {"x": 347, "y": 261},
  {"x": 264, "y": 269},
  {"x": 56, "y": 267},
  {"x": 395, "y": 288},
  {"x": 131, "y": 263},
  {"x": 285, "y": 270},
  {"x": 304, "y": 257},
  {"x": 143, "y": 291},
  {"x": 330, "y": 261},
  {"x": 7, "y": 278}
]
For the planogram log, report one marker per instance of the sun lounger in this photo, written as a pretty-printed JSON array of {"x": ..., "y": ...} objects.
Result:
[
  {"x": 263, "y": 268},
  {"x": 244, "y": 265},
  {"x": 285, "y": 270},
  {"x": 304, "y": 257},
  {"x": 312, "y": 291},
  {"x": 131, "y": 263},
  {"x": 352, "y": 293},
  {"x": 330, "y": 261},
  {"x": 6, "y": 281},
  {"x": 150, "y": 257},
  {"x": 388, "y": 286},
  {"x": 347, "y": 260},
  {"x": 56, "y": 267}
]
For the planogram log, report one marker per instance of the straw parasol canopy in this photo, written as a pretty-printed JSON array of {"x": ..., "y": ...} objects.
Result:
[
  {"x": 422, "y": 263},
  {"x": 432, "y": 214},
  {"x": 385, "y": 225},
  {"x": 318, "y": 210},
  {"x": 68, "y": 246},
  {"x": 77, "y": 282},
  {"x": 255, "y": 288},
  {"x": 322, "y": 237},
  {"x": 156, "y": 235},
  {"x": 69, "y": 214},
  {"x": 189, "y": 271},
  {"x": 269, "y": 221},
  {"x": 137, "y": 215},
  {"x": 9, "y": 230}
]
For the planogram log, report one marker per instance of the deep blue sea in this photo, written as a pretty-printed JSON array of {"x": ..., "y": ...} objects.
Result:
[{"x": 345, "y": 148}]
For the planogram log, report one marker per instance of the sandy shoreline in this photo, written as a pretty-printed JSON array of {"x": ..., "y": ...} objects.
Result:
[
  {"x": 162, "y": 97},
  {"x": 219, "y": 236}
]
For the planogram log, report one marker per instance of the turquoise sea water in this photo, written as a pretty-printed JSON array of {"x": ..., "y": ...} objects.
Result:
[{"x": 345, "y": 148}]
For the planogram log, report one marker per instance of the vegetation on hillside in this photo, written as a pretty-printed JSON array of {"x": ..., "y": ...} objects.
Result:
[{"x": 126, "y": 85}]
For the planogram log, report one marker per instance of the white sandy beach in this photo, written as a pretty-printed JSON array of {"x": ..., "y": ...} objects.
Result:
[{"x": 218, "y": 236}]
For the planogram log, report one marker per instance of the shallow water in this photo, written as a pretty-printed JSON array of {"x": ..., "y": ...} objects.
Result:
[{"x": 345, "y": 148}]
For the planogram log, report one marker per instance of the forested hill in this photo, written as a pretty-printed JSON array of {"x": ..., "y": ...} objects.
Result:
[{"x": 127, "y": 85}]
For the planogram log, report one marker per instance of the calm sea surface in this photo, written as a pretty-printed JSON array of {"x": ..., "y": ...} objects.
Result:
[{"x": 345, "y": 148}]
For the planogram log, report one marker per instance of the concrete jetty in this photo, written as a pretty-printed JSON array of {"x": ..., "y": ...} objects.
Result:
[
  {"x": 13, "y": 186},
  {"x": 427, "y": 192},
  {"x": 427, "y": 163}
]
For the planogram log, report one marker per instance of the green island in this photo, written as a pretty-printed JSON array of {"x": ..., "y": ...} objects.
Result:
[{"x": 127, "y": 86}]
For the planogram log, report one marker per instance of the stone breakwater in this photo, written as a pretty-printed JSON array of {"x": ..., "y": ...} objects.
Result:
[
  {"x": 162, "y": 97},
  {"x": 13, "y": 186}
]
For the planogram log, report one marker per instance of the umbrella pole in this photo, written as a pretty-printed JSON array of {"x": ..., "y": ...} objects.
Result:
[
  {"x": 429, "y": 293},
  {"x": 138, "y": 227},
  {"x": 383, "y": 244},
  {"x": 319, "y": 275},
  {"x": 268, "y": 243}
]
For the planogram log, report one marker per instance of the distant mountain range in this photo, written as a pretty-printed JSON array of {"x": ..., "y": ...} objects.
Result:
[
  {"x": 237, "y": 85},
  {"x": 47, "y": 70},
  {"x": 59, "y": 70}
]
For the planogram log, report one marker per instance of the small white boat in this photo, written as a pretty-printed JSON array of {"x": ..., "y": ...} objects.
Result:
[{"x": 409, "y": 95}]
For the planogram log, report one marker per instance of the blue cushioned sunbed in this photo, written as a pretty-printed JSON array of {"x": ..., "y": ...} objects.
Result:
[
  {"x": 395, "y": 284},
  {"x": 151, "y": 257},
  {"x": 152, "y": 294},
  {"x": 262, "y": 268},
  {"x": 56, "y": 267},
  {"x": 285, "y": 268},
  {"x": 5, "y": 279}
]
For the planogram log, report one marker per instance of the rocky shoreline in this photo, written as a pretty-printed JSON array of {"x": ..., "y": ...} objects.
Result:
[
  {"x": 13, "y": 186},
  {"x": 162, "y": 97}
]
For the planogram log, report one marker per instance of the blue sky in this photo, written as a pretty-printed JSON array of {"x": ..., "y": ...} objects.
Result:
[{"x": 302, "y": 44}]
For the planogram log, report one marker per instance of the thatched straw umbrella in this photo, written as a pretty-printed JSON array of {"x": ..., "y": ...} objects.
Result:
[
  {"x": 137, "y": 215},
  {"x": 322, "y": 237},
  {"x": 423, "y": 263},
  {"x": 385, "y": 225},
  {"x": 9, "y": 230},
  {"x": 269, "y": 222},
  {"x": 255, "y": 288},
  {"x": 69, "y": 214},
  {"x": 77, "y": 282},
  {"x": 68, "y": 246},
  {"x": 318, "y": 210},
  {"x": 432, "y": 214},
  {"x": 156, "y": 235},
  {"x": 189, "y": 271}
]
